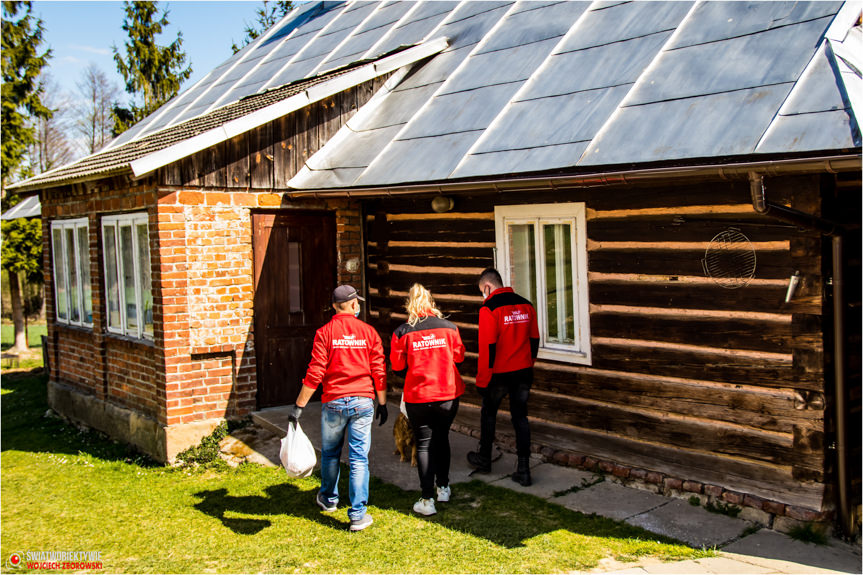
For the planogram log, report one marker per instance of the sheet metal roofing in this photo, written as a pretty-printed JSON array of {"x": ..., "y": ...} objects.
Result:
[
  {"x": 535, "y": 86},
  {"x": 532, "y": 87}
]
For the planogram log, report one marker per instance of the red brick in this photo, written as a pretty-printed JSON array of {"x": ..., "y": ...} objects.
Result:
[
  {"x": 606, "y": 466},
  {"x": 753, "y": 501},
  {"x": 733, "y": 497},
  {"x": 671, "y": 483},
  {"x": 189, "y": 199},
  {"x": 692, "y": 486},
  {"x": 803, "y": 514},
  {"x": 774, "y": 507},
  {"x": 620, "y": 471},
  {"x": 713, "y": 490}
]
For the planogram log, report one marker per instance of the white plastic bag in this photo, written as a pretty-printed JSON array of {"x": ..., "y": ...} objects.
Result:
[{"x": 297, "y": 454}]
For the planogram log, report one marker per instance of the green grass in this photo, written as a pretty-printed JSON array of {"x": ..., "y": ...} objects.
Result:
[
  {"x": 34, "y": 333},
  {"x": 63, "y": 489}
]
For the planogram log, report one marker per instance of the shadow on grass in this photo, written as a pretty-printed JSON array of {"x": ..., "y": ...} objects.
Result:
[
  {"x": 280, "y": 499},
  {"x": 501, "y": 516},
  {"x": 27, "y": 425}
]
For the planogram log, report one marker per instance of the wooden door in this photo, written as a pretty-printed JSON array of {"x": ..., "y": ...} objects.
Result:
[{"x": 295, "y": 274}]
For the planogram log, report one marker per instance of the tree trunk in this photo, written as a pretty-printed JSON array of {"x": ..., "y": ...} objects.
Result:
[{"x": 17, "y": 313}]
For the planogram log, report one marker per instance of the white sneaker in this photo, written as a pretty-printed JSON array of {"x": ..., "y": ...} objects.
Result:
[
  {"x": 443, "y": 494},
  {"x": 425, "y": 507}
]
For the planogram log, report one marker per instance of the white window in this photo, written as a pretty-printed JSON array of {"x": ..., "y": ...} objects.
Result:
[
  {"x": 542, "y": 254},
  {"x": 128, "y": 291},
  {"x": 70, "y": 246}
]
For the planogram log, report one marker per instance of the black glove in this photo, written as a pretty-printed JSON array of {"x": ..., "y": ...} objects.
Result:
[
  {"x": 482, "y": 391},
  {"x": 382, "y": 413},
  {"x": 294, "y": 413}
]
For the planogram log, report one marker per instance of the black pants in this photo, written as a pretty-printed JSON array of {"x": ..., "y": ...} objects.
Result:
[
  {"x": 431, "y": 423},
  {"x": 516, "y": 384}
]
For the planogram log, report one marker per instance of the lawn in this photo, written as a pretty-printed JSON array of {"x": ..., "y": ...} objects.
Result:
[
  {"x": 35, "y": 331},
  {"x": 68, "y": 490}
]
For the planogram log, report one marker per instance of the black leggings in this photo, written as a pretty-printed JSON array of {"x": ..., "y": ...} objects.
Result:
[{"x": 431, "y": 423}]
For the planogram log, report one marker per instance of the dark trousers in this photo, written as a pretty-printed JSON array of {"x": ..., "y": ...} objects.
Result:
[
  {"x": 431, "y": 423},
  {"x": 516, "y": 384}
]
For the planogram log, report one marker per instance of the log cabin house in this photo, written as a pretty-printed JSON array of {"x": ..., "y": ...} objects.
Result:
[{"x": 676, "y": 185}]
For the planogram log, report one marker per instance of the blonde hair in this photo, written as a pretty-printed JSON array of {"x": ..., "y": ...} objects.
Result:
[{"x": 420, "y": 304}]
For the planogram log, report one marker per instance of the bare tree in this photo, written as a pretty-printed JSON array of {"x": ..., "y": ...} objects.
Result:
[
  {"x": 93, "y": 114},
  {"x": 52, "y": 147}
]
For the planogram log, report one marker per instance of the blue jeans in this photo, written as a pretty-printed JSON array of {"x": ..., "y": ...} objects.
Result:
[{"x": 351, "y": 416}]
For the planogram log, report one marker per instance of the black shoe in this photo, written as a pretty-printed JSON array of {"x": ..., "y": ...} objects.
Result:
[
  {"x": 522, "y": 472},
  {"x": 481, "y": 462}
]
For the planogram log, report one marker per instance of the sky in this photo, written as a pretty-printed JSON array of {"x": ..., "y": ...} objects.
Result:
[{"x": 83, "y": 32}]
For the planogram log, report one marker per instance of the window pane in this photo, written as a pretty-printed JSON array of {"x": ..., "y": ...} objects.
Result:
[
  {"x": 60, "y": 275},
  {"x": 560, "y": 326},
  {"x": 146, "y": 288},
  {"x": 522, "y": 256},
  {"x": 72, "y": 274},
  {"x": 127, "y": 271},
  {"x": 84, "y": 260},
  {"x": 113, "y": 285}
]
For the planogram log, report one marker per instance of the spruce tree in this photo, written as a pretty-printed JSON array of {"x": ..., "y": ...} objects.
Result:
[
  {"x": 266, "y": 16},
  {"x": 153, "y": 73},
  {"x": 22, "y": 108},
  {"x": 21, "y": 92}
]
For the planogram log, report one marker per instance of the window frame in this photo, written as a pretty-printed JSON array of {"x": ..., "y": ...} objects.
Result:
[
  {"x": 537, "y": 215},
  {"x": 63, "y": 226},
  {"x": 116, "y": 222}
]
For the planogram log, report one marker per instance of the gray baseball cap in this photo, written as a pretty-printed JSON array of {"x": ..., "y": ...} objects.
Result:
[{"x": 345, "y": 293}]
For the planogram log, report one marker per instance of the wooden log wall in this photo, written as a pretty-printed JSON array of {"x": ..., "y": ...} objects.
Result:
[
  {"x": 268, "y": 156},
  {"x": 722, "y": 386}
]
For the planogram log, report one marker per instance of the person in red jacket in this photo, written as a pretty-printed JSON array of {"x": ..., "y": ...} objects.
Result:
[
  {"x": 348, "y": 361},
  {"x": 424, "y": 351},
  {"x": 508, "y": 344}
]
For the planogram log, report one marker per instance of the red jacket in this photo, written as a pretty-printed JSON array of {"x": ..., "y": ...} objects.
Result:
[
  {"x": 508, "y": 335},
  {"x": 426, "y": 354},
  {"x": 348, "y": 359}
]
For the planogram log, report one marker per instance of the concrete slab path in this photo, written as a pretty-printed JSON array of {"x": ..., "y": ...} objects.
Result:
[{"x": 742, "y": 548}]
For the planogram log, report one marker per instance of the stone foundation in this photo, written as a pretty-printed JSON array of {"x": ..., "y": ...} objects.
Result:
[{"x": 160, "y": 442}]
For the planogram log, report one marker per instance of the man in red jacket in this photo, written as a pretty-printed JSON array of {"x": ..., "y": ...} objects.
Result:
[
  {"x": 508, "y": 344},
  {"x": 348, "y": 361}
]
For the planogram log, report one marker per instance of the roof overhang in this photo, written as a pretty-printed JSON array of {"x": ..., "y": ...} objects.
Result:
[
  {"x": 156, "y": 160},
  {"x": 29, "y": 207},
  {"x": 728, "y": 171}
]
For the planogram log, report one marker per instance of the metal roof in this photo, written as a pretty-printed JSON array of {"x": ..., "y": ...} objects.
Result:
[
  {"x": 29, "y": 207},
  {"x": 527, "y": 87},
  {"x": 557, "y": 86}
]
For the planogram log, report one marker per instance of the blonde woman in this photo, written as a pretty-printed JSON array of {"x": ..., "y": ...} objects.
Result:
[{"x": 424, "y": 351}]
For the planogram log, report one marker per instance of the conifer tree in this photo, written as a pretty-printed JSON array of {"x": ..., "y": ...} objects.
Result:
[
  {"x": 267, "y": 15},
  {"x": 21, "y": 92},
  {"x": 22, "y": 108},
  {"x": 153, "y": 73}
]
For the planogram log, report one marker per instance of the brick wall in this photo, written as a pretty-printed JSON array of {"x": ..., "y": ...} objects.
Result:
[{"x": 107, "y": 366}]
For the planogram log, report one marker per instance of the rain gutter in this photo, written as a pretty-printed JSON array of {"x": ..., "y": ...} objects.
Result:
[
  {"x": 741, "y": 170},
  {"x": 840, "y": 386}
]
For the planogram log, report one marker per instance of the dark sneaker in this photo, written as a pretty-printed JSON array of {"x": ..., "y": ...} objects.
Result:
[
  {"x": 323, "y": 504},
  {"x": 361, "y": 523},
  {"x": 479, "y": 461}
]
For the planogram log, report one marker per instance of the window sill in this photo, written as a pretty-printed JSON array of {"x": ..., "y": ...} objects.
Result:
[{"x": 577, "y": 357}]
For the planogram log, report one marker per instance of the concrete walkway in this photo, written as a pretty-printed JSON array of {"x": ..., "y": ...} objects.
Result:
[{"x": 742, "y": 548}]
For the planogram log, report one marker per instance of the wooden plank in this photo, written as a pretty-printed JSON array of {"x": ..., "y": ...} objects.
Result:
[
  {"x": 709, "y": 367},
  {"x": 708, "y": 297},
  {"x": 769, "y": 264},
  {"x": 189, "y": 171},
  {"x": 261, "y": 157},
  {"x": 460, "y": 231},
  {"x": 436, "y": 283},
  {"x": 284, "y": 134},
  {"x": 687, "y": 230},
  {"x": 728, "y": 333},
  {"x": 212, "y": 166},
  {"x": 773, "y": 410},
  {"x": 238, "y": 162}
]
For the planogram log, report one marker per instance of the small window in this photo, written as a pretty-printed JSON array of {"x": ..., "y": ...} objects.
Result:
[
  {"x": 70, "y": 247},
  {"x": 542, "y": 254},
  {"x": 128, "y": 289}
]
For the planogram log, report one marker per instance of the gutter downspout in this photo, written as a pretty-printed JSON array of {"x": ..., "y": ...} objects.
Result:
[{"x": 835, "y": 231}]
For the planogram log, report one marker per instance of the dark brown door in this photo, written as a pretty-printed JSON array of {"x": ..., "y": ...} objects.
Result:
[{"x": 295, "y": 274}]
